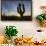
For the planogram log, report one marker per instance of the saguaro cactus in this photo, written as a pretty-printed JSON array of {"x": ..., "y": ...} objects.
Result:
[{"x": 21, "y": 9}]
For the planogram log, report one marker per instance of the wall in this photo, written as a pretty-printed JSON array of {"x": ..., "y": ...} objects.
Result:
[{"x": 27, "y": 28}]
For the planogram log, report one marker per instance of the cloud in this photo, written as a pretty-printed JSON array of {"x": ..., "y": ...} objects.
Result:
[{"x": 12, "y": 13}]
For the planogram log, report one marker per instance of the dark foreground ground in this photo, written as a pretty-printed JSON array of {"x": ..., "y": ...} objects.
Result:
[{"x": 24, "y": 18}]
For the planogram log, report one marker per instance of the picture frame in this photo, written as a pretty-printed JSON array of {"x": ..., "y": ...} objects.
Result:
[{"x": 16, "y": 10}]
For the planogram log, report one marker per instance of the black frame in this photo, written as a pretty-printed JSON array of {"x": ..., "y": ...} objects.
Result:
[{"x": 14, "y": 18}]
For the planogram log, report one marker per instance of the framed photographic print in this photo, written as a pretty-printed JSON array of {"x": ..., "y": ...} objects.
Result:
[{"x": 18, "y": 10}]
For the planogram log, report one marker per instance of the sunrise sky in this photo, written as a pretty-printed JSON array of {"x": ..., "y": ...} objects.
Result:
[{"x": 10, "y": 7}]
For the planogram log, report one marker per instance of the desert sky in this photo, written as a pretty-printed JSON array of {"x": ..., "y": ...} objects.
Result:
[{"x": 10, "y": 7}]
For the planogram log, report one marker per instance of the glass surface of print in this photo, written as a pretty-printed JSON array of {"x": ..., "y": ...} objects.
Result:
[{"x": 16, "y": 10}]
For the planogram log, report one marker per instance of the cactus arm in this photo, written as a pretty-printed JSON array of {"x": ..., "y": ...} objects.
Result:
[
  {"x": 18, "y": 10},
  {"x": 23, "y": 8}
]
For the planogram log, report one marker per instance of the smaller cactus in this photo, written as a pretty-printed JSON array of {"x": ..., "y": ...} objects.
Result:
[{"x": 21, "y": 9}]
